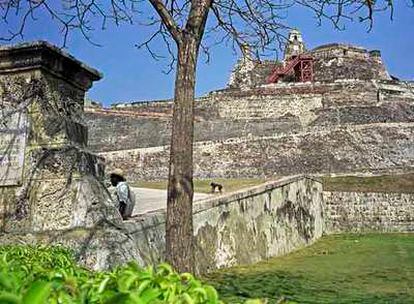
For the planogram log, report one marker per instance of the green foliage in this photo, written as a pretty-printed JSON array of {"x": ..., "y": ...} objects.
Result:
[{"x": 36, "y": 275}]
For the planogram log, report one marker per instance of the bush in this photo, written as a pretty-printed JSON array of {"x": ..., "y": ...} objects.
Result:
[{"x": 41, "y": 274}]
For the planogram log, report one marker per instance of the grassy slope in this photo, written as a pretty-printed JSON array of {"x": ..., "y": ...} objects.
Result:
[
  {"x": 385, "y": 183},
  {"x": 203, "y": 186},
  {"x": 337, "y": 269}
]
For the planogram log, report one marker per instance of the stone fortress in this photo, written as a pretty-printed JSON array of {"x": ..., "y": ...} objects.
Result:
[{"x": 353, "y": 117}]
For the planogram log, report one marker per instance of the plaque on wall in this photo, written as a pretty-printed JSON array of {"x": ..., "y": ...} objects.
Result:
[{"x": 13, "y": 129}]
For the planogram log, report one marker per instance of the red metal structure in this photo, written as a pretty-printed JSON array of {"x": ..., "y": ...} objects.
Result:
[{"x": 301, "y": 66}]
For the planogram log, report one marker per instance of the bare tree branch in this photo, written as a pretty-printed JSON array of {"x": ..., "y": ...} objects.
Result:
[{"x": 167, "y": 19}]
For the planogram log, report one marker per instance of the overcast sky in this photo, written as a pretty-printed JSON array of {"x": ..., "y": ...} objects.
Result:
[{"x": 132, "y": 75}]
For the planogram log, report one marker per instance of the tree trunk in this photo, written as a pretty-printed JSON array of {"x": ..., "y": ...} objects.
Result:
[{"x": 179, "y": 224}]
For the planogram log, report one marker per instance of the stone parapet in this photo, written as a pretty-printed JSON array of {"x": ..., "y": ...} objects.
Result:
[{"x": 244, "y": 227}]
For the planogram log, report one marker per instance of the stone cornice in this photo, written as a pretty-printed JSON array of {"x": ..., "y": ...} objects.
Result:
[{"x": 42, "y": 55}]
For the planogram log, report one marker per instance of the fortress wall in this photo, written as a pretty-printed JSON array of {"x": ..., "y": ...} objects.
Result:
[
  {"x": 372, "y": 147},
  {"x": 116, "y": 132},
  {"x": 369, "y": 212},
  {"x": 111, "y": 131},
  {"x": 331, "y": 62},
  {"x": 338, "y": 61},
  {"x": 268, "y": 111},
  {"x": 145, "y": 106},
  {"x": 243, "y": 227}
]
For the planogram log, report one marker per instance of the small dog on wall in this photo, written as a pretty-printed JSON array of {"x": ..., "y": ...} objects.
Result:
[{"x": 216, "y": 186}]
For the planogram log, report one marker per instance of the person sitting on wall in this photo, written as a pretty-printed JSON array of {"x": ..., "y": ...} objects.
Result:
[{"x": 124, "y": 196}]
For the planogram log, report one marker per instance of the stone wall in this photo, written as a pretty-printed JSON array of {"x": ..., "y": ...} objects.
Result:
[
  {"x": 55, "y": 194},
  {"x": 369, "y": 212},
  {"x": 340, "y": 61},
  {"x": 366, "y": 148},
  {"x": 114, "y": 130},
  {"x": 111, "y": 130},
  {"x": 46, "y": 87},
  {"x": 244, "y": 227},
  {"x": 272, "y": 110},
  {"x": 345, "y": 126}
]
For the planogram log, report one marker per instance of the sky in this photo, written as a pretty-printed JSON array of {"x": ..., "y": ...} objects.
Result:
[{"x": 131, "y": 74}]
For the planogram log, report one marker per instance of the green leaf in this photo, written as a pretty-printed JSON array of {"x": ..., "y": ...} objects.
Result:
[
  {"x": 120, "y": 298},
  {"x": 6, "y": 282},
  {"x": 187, "y": 299},
  {"x": 186, "y": 276},
  {"x": 212, "y": 294},
  {"x": 253, "y": 301},
  {"x": 134, "y": 266},
  {"x": 125, "y": 282},
  {"x": 149, "y": 295},
  {"x": 200, "y": 290},
  {"x": 37, "y": 293},
  {"x": 103, "y": 285},
  {"x": 143, "y": 286},
  {"x": 165, "y": 269},
  {"x": 9, "y": 298}
]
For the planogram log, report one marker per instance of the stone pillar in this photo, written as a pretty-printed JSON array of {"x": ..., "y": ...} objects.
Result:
[{"x": 49, "y": 182}]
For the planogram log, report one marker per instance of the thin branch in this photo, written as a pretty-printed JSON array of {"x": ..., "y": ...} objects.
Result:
[{"x": 167, "y": 19}]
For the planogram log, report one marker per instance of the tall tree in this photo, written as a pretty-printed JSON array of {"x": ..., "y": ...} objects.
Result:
[{"x": 182, "y": 25}]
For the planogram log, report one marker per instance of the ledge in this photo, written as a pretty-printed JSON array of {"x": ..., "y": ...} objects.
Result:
[
  {"x": 157, "y": 217},
  {"x": 208, "y": 203},
  {"x": 43, "y": 55},
  {"x": 339, "y": 46}
]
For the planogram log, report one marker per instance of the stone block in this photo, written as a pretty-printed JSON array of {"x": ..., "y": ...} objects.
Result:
[{"x": 60, "y": 197}]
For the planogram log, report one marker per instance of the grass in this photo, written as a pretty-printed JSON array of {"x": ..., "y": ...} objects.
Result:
[
  {"x": 377, "y": 268},
  {"x": 385, "y": 183},
  {"x": 203, "y": 186},
  {"x": 402, "y": 183}
]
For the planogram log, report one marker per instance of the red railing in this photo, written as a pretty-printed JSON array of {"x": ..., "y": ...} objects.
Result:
[{"x": 295, "y": 63}]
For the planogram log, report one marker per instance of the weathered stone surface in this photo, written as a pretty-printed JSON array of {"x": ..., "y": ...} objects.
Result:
[
  {"x": 369, "y": 212},
  {"x": 285, "y": 129},
  {"x": 47, "y": 87},
  {"x": 243, "y": 227},
  {"x": 331, "y": 62},
  {"x": 112, "y": 130},
  {"x": 360, "y": 148},
  {"x": 102, "y": 246},
  {"x": 61, "y": 198},
  {"x": 340, "y": 61},
  {"x": 13, "y": 131}
]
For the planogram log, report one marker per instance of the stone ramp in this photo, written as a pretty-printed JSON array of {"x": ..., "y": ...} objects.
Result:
[
  {"x": 153, "y": 199},
  {"x": 241, "y": 227}
]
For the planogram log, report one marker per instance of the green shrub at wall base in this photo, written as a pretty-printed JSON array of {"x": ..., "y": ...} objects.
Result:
[{"x": 41, "y": 274}]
